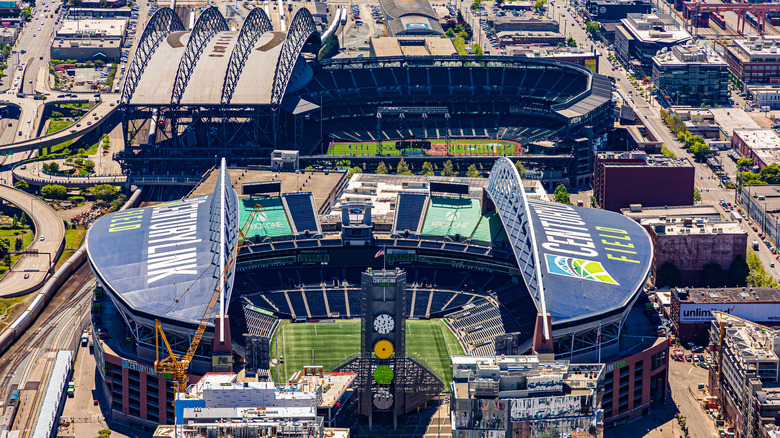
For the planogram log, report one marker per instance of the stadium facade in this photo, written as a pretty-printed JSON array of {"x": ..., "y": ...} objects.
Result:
[
  {"x": 270, "y": 92},
  {"x": 477, "y": 252}
]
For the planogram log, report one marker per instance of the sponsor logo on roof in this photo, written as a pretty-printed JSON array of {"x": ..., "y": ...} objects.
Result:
[{"x": 578, "y": 268}]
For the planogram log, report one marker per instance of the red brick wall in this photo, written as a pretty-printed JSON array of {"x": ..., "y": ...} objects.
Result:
[{"x": 691, "y": 252}]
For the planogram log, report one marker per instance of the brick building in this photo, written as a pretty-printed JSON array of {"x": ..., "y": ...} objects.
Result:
[
  {"x": 754, "y": 60},
  {"x": 691, "y": 308},
  {"x": 762, "y": 145},
  {"x": 691, "y": 244},
  {"x": 625, "y": 178}
]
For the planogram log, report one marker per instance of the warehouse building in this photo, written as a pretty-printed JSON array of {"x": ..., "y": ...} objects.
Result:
[
  {"x": 685, "y": 251},
  {"x": 90, "y": 39}
]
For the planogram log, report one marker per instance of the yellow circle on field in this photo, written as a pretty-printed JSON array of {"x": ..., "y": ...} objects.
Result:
[{"x": 383, "y": 349}]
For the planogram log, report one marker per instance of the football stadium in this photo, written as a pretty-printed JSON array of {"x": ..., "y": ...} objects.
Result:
[
  {"x": 191, "y": 95},
  {"x": 482, "y": 256}
]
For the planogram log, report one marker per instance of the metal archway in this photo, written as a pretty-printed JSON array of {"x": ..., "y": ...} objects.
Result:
[
  {"x": 507, "y": 193},
  {"x": 162, "y": 23},
  {"x": 209, "y": 23},
  {"x": 255, "y": 25},
  {"x": 301, "y": 30}
]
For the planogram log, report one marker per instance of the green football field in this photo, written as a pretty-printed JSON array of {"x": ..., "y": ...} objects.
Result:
[
  {"x": 328, "y": 344},
  {"x": 457, "y": 147}
]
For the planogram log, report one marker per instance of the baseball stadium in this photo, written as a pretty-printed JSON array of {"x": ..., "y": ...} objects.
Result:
[
  {"x": 192, "y": 94},
  {"x": 482, "y": 256}
]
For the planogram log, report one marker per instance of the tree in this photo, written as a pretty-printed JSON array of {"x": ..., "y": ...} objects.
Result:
[
  {"x": 104, "y": 433},
  {"x": 592, "y": 27},
  {"x": 447, "y": 169},
  {"x": 539, "y": 5},
  {"x": 473, "y": 172},
  {"x": 89, "y": 165},
  {"x": 562, "y": 195},
  {"x": 56, "y": 115},
  {"x": 104, "y": 192},
  {"x": 667, "y": 153},
  {"x": 25, "y": 13},
  {"x": 770, "y": 174},
  {"x": 22, "y": 185},
  {"x": 309, "y": 168},
  {"x": 450, "y": 33},
  {"x": 427, "y": 169},
  {"x": 54, "y": 191},
  {"x": 477, "y": 50},
  {"x": 403, "y": 168},
  {"x": 668, "y": 275},
  {"x": 696, "y": 195},
  {"x": 757, "y": 275},
  {"x": 23, "y": 220},
  {"x": 571, "y": 42},
  {"x": 738, "y": 272},
  {"x": 353, "y": 170},
  {"x": 381, "y": 168},
  {"x": 330, "y": 48},
  {"x": 745, "y": 162},
  {"x": 5, "y": 248},
  {"x": 712, "y": 275},
  {"x": 521, "y": 169},
  {"x": 18, "y": 244}
]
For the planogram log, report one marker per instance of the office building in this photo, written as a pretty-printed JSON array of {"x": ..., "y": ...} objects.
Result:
[
  {"x": 625, "y": 178},
  {"x": 524, "y": 396},
  {"x": 691, "y": 75},
  {"x": 639, "y": 37},
  {"x": 754, "y": 60},
  {"x": 746, "y": 360}
]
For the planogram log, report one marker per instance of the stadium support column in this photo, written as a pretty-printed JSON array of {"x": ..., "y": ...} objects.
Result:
[
  {"x": 544, "y": 348},
  {"x": 222, "y": 348}
]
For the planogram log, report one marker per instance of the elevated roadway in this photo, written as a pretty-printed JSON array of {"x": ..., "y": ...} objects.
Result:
[
  {"x": 33, "y": 175},
  {"x": 49, "y": 226},
  {"x": 91, "y": 121}
]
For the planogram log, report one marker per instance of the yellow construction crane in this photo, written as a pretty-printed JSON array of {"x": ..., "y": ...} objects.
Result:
[{"x": 176, "y": 367}]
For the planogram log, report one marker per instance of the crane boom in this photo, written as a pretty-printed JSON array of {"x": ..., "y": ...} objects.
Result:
[{"x": 177, "y": 367}]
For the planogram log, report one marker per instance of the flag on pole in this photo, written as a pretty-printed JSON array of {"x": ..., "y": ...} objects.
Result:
[
  {"x": 379, "y": 253},
  {"x": 598, "y": 335}
]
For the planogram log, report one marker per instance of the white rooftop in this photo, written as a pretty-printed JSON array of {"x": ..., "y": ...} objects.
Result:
[
  {"x": 759, "y": 139},
  {"x": 655, "y": 27},
  {"x": 730, "y": 119},
  {"x": 688, "y": 54},
  {"x": 93, "y": 28}
]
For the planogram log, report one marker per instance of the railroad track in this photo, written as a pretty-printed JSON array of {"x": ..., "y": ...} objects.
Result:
[{"x": 31, "y": 345}]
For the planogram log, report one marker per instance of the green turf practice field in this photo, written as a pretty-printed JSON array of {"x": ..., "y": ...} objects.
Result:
[
  {"x": 457, "y": 147},
  {"x": 430, "y": 340}
]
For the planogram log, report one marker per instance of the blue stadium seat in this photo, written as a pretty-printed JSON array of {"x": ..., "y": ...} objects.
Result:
[{"x": 302, "y": 211}]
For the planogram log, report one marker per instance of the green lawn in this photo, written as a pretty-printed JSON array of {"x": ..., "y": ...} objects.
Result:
[
  {"x": 27, "y": 238},
  {"x": 7, "y": 307},
  {"x": 331, "y": 343},
  {"x": 457, "y": 147},
  {"x": 57, "y": 125},
  {"x": 72, "y": 242}
]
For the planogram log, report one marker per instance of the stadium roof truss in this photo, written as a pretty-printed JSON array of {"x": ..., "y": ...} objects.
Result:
[
  {"x": 255, "y": 25},
  {"x": 160, "y": 25},
  {"x": 506, "y": 191},
  {"x": 302, "y": 30},
  {"x": 209, "y": 24}
]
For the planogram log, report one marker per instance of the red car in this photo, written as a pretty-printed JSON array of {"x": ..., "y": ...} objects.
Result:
[
  {"x": 755, "y": 229},
  {"x": 95, "y": 402}
]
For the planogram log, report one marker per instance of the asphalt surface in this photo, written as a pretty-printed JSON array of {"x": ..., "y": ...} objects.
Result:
[{"x": 49, "y": 227}]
